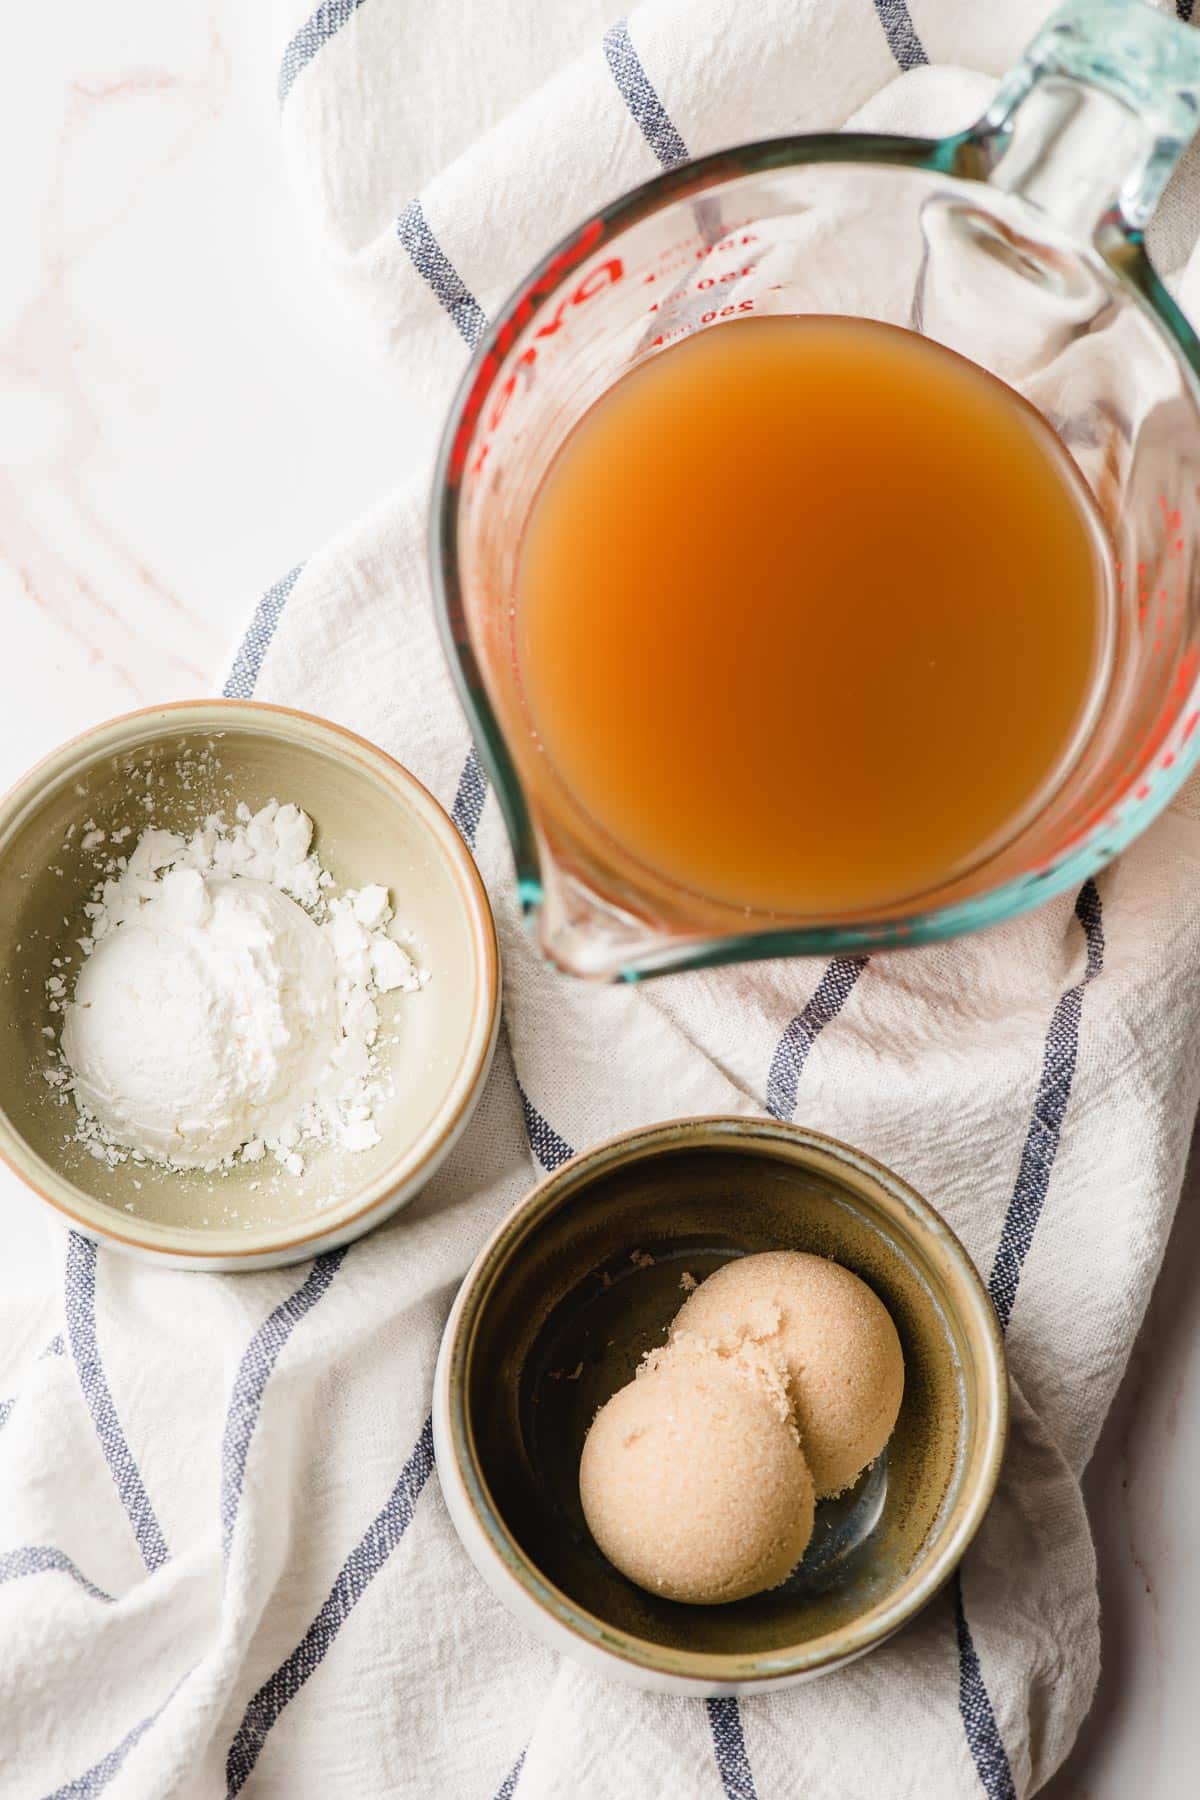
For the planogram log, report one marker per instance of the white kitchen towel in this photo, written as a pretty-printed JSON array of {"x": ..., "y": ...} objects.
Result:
[{"x": 224, "y": 1559}]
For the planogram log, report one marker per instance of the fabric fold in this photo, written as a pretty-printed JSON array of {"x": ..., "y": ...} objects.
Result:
[{"x": 225, "y": 1564}]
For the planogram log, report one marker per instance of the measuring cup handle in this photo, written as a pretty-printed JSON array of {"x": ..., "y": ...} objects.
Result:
[{"x": 1091, "y": 121}]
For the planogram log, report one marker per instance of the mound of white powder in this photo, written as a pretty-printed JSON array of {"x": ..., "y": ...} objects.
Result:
[{"x": 226, "y": 1006}]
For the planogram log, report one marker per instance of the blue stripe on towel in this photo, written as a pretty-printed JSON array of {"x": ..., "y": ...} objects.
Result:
[
  {"x": 254, "y": 1371},
  {"x": 550, "y": 1150},
  {"x": 639, "y": 95},
  {"x": 96, "y": 1779},
  {"x": 81, "y": 1331},
  {"x": 316, "y": 30},
  {"x": 508, "y": 1786},
  {"x": 431, "y": 261},
  {"x": 791, "y": 1053},
  {"x": 729, "y": 1748},
  {"x": 1024, "y": 1210},
  {"x": 979, "y": 1720},
  {"x": 38, "y": 1559},
  {"x": 247, "y": 664},
  {"x": 901, "y": 33},
  {"x": 1049, "y": 1111},
  {"x": 783, "y": 1079},
  {"x": 469, "y": 798},
  {"x": 355, "y": 1576}
]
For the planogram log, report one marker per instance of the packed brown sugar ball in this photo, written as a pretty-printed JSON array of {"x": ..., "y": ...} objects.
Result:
[
  {"x": 830, "y": 1336},
  {"x": 693, "y": 1483}
]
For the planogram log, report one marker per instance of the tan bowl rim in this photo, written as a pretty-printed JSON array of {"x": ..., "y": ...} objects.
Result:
[
  {"x": 920, "y": 1221},
  {"x": 175, "y": 1242}
]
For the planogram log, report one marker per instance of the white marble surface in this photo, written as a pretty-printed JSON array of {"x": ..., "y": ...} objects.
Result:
[{"x": 183, "y": 415}]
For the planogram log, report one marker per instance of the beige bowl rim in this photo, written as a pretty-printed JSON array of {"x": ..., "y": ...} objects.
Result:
[
  {"x": 400, "y": 1178},
  {"x": 517, "y": 1580}
]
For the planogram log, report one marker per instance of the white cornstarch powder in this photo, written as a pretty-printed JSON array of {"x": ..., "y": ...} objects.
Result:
[{"x": 226, "y": 1006}]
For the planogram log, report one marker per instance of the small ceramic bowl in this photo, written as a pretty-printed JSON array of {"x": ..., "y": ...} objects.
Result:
[
  {"x": 585, "y": 1277},
  {"x": 374, "y": 823}
]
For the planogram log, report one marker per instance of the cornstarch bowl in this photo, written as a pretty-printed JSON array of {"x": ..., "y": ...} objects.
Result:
[
  {"x": 374, "y": 823},
  {"x": 583, "y": 1279}
]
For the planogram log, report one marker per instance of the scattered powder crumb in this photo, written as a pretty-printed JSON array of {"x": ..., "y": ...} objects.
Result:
[
  {"x": 750, "y": 1360},
  {"x": 641, "y": 1259},
  {"x": 368, "y": 959},
  {"x": 687, "y": 1282}
]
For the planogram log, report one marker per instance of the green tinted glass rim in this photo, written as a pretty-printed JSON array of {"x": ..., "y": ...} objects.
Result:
[{"x": 964, "y": 157}]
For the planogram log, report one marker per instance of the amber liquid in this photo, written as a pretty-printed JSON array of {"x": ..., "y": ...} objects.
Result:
[{"x": 810, "y": 614}]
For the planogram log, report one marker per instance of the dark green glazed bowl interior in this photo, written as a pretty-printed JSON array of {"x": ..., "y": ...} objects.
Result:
[{"x": 586, "y": 1278}]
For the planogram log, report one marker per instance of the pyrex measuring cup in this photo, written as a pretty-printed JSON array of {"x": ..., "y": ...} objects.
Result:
[{"x": 1019, "y": 244}]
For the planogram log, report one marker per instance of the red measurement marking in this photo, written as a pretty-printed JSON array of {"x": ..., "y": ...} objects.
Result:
[
  {"x": 709, "y": 281},
  {"x": 668, "y": 337},
  {"x": 726, "y": 243},
  {"x": 471, "y": 411},
  {"x": 727, "y": 312},
  {"x": 509, "y": 387},
  {"x": 1172, "y": 517},
  {"x": 1189, "y": 662},
  {"x": 604, "y": 275}
]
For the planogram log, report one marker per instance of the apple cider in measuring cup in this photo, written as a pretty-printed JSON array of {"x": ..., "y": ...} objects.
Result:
[{"x": 812, "y": 614}]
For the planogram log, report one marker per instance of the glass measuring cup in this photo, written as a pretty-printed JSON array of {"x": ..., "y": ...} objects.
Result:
[{"x": 1018, "y": 244}]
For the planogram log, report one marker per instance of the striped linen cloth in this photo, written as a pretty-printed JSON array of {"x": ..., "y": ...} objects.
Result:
[{"x": 225, "y": 1563}]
